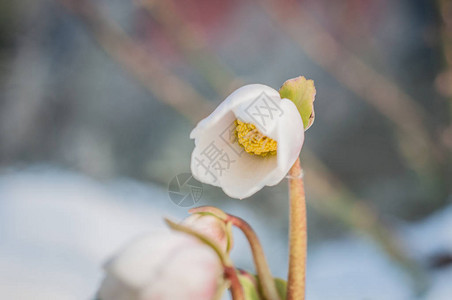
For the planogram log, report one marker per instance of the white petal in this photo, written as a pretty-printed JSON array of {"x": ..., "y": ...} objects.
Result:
[
  {"x": 218, "y": 160},
  {"x": 152, "y": 266},
  {"x": 255, "y": 172},
  {"x": 290, "y": 140},
  {"x": 214, "y": 148},
  {"x": 264, "y": 112},
  {"x": 190, "y": 274},
  {"x": 136, "y": 264},
  {"x": 215, "y": 134},
  {"x": 249, "y": 175},
  {"x": 244, "y": 95}
]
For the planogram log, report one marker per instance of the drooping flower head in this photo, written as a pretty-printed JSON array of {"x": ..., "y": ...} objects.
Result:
[
  {"x": 171, "y": 264},
  {"x": 163, "y": 265},
  {"x": 251, "y": 140}
]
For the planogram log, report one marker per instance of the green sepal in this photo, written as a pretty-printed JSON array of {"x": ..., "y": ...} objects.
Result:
[
  {"x": 281, "y": 286},
  {"x": 301, "y": 92},
  {"x": 249, "y": 286}
]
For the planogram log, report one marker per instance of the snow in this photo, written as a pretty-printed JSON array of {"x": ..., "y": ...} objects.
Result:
[{"x": 57, "y": 229}]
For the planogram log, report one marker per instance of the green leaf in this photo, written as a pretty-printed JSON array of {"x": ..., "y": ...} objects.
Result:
[{"x": 301, "y": 91}]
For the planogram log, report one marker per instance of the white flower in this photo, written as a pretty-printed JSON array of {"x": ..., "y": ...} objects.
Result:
[
  {"x": 164, "y": 265},
  {"x": 251, "y": 140}
]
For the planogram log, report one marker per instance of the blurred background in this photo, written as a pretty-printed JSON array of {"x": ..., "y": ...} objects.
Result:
[{"x": 98, "y": 99}]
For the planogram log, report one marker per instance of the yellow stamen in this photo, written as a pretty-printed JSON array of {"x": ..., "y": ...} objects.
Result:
[{"x": 253, "y": 141}]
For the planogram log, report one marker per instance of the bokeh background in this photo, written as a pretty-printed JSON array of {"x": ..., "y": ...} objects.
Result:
[{"x": 98, "y": 99}]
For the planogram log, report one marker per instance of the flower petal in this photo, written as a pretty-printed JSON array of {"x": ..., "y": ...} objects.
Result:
[
  {"x": 244, "y": 95},
  {"x": 263, "y": 112},
  {"x": 248, "y": 176},
  {"x": 290, "y": 140},
  {"x": 152, "y": 266},
  {"x": 254, "y": 172},
  {"x": 218, "y": 160},
  {"x": 214, "y": 144}
]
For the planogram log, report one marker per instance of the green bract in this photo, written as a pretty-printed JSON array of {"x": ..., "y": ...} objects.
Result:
[
  {"x": 301, "y": 91},
  {"x": 250, "y": 291}
]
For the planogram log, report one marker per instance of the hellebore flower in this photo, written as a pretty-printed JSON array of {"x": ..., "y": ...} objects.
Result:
[
  {"x": 164, "y": 265},
  {"x": 251, "y": 140}
]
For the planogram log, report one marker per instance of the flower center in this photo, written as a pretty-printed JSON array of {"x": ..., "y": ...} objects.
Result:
[{"x": 253, "y": 141}]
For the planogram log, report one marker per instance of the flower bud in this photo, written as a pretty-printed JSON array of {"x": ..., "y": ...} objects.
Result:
[
  {"x": 212, "y": 227},
  {"x": 163, "y": 265}
]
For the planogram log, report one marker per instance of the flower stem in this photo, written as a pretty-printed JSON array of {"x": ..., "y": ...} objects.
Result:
[
  {"x": 266, "y": 282},
  {"x": 235, "y": 288},
  {"x": 297, "y": 235}
]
